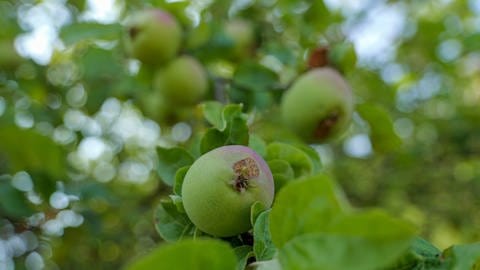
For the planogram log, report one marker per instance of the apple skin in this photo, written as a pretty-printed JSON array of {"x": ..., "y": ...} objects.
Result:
[
  {"x": 318, "y": 106},
  {"x": 182, "y": 82},
  {"x": 242, "y": 34},
  {"x": 213, "y": 195},
  {"x": 154, "y": 37}
]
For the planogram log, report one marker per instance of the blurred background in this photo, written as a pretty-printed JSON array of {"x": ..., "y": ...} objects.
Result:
[{"x": 78, "y": 179}]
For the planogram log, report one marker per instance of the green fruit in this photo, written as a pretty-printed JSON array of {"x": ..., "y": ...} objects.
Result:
[
  {"x": 221, "y": 186},
  {"x": 318, "y": 106},
  {"x": 243, "y": 37},
  {"x": 182, "y": 82},
  {"x": 154, "y": 37}
]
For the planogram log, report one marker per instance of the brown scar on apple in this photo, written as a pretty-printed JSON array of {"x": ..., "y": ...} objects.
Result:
[
  {"x": 245, "y": 170},
  {"x": 325, "y": 126}
]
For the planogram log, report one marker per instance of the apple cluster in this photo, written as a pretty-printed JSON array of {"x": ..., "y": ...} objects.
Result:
[
  {"x": 221, "y": 186},
  {"x": 154, "y": 37}
]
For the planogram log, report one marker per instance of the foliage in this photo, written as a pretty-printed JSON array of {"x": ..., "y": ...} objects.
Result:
[{"x": 92, "y": 156}]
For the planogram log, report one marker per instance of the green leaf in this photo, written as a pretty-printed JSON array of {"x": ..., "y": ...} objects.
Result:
[
  {"x": 100, "y": 65},
  {"x": 229, "y": 128},
  {"x": 243, "y": 253},
  {"x": 313, "y": 155},
  {"x": 37, "y": 154},
  {"x": 472, "y": 42},
  {"x": 282, "y": 172},
  {"x": 301, "y": 163},
  {"x": 303, "y": 206},
  {"x": 319, "y": 15},
  {"x": 76, "y": 32},
  {"x": 170, "y": 160},
  {"x": 342, "y": 56},
  {"x": 268, "y": 265},
  {"x": 364, "y": 240},
  {"x": 370, "y": 87},
  {"x": 325, "y": 252},
  {"x": 382, "y": 134},
  {"x": 460, "y": 257},
  {"x": 219, "y": 115},
  {"x": 422, "y": 247},
  {"x": 179, "y": 176},
  {"x": 259, "y": 100},
  {"x": 178, "y": 202},
  {"x": 212, "y": 139},
  {"x": 170, "y": 223},
  {"x": 373, "y": 224},
  {"x": 257, "y": 144},
  {"x": 13, "y": 202},
  {"x": 231, "y": 112},
  {"x": 213, "y": 113},
  {"x": 420, "y": 255},
  {"x": 277, "y": 49},
  {"x": 189, "y": 255},
  {"x": 262, "y": 240},
  {"x": 254, "y": 77},
  {"x": 255, "y": 210},
  {"x": 236, "y": 133}
]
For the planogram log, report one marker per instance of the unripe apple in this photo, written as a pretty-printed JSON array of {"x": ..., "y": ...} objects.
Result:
[
  {"x": 318, "y": 106},
  {"x": 242, "y": 34},
  {"x": 182, "y": 82},
  {"x": 221, "y": 186},
  {"x": 154, "y": 37}
]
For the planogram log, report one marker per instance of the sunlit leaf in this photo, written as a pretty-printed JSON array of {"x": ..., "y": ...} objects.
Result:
[
  {"x": 304, "y": 206},
  {"x": 195, "y": 255}
]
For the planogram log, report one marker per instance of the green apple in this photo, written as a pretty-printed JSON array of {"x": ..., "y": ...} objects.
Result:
[
  {"x": 242, "y": 34},
  {"x": 154, "y": 37},
  {"x": 221, "y": 186},
  {"x": 182, "y": 82},
  {"x": 318, "y": 106}
]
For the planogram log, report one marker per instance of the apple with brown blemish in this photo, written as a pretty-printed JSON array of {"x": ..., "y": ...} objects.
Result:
[
  {"x": 318, "y": 106},
  {"x": 221, "y": 186}
]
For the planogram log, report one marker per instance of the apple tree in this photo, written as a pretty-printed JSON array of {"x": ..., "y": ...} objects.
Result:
[{"x": 270, "y": 135}]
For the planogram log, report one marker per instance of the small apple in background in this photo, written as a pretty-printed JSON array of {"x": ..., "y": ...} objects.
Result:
[
  {"x": 242, "y": 33},
  {"x": 221, "y": 186},
  {"x": 183, "y": 81},
  {"x": 318, "y": 106},
  {"x": 154, "y": 37}
]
